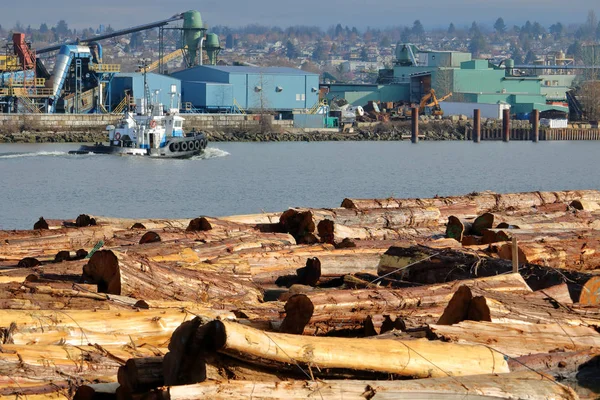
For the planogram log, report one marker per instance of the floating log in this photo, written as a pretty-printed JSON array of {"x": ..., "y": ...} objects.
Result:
[
  {"x": 416, "y": 358},
  {"x": 520, "y": 385},
  {"x": 123, "y": 274}
]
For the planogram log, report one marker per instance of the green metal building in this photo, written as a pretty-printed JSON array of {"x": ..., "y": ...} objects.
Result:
[{"x": 416, "y": 72}]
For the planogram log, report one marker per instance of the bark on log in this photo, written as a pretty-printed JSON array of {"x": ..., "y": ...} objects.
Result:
[
  {"x": 485, "y": 202},
  {"x": 303, "y": 223},
  {"x": 448, "y": 265},
  {"x": 97, "y": 391},
  {"x": 578, "y": 251},
  {"x": 141, "y": 374},
  {"x": 334, "y": 233},
  {"x": 325, "y": 311},
  {"x": 457, "y": 228},
  {"x": 417, "y": 358},
  {"x": 517, "y": 340},
  {"x": 122, "y": 274},
  {"x": 529, "y": 385}
]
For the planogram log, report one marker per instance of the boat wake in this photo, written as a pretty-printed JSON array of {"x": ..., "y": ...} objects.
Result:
[
  {"x": 36, "y": 154},
  {"x": 211, "y": 152}
]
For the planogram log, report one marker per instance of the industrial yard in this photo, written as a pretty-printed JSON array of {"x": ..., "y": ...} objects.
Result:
[{"x": 73, "y": 78}]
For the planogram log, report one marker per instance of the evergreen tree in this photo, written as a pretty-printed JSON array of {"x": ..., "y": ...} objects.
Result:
[
  {"x": 364, "y": 55},
  {"x": 451, "y": 29},
  {"x": 478, "y": 44},
  {"x": 500, "y": 26},
  {"x": 557, "y": 30},
  {"x": 230, "y": 41},
  {"x": 474, "y": 29},
  {"x": 43, "y": 28},
  {"x": 418, "y": 29},
  {"x": 575, "y": 50},
  {"x": 517, "y": 56},
  {"x": 62, "y": 28},
  {"x": 290, "y": 50},
  {"x": 385, "y": 42},
  {"x": 320, "y": 52},
  {"x": 530, "y": 57},
  {"x": 339, "y": 30}
]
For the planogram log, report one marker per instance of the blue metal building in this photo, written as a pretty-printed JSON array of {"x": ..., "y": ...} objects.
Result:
[
  {"x": 168, "y": 88},
  {"x": 253, "y": 88}
]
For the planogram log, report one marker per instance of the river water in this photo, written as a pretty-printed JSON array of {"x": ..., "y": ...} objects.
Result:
[{"x": 239, "y": 178}]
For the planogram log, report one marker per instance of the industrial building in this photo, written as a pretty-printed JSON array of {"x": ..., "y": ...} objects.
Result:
[
  {"x": 249, "y": 88},
  {"x": 416, "y": 72}
]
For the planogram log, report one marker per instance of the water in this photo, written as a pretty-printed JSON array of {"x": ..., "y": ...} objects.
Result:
[{"x": 238, "y": 178}]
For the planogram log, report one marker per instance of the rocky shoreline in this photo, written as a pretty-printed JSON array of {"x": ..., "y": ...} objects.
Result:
[{"x": 441, "y": 130}]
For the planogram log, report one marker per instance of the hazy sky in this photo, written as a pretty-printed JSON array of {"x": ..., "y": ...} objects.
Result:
[{"x": 433, "y": 13}]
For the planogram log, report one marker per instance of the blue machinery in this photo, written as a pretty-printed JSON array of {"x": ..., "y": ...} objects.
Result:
[{"x": 78, "y": 69}]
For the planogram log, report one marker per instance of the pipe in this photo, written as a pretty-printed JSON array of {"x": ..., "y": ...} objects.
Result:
[
  {"x": 62, "y": 64},
  {"x": 116, "y": 33},
  {"x": 201, "y": 42}
]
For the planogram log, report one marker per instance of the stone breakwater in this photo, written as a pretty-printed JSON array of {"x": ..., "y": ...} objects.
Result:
[{"x": 229, "y": 128}]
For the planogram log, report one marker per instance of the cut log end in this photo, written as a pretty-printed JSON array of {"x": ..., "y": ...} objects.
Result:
[
  {"x": 299, "y": 310},
  {"x": 311, "y": 273},
  {"x": 199, "y": 225},
  {"x": 84, "y": 220},
  {"x": 150, "y": 237},
  {"x": 137, "y": 225},
  {"x": 28, "y": 262},
  {"x": 103, "y": 270},
  {"x": 41, "y": 224}
]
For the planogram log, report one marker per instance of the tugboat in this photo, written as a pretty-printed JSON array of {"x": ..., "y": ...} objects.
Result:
[{"x": 154, "y": 135}]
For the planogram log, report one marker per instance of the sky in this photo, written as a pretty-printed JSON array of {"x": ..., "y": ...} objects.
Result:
[{"x": 384, "y": 13}]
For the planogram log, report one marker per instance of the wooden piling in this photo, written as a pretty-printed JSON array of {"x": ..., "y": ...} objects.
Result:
[
  {"x": 535, "y": 126},
  {"x": 506, "y": 125},
  {"x": 414, "y": 138},
  {"x": 476, "y": 125}
]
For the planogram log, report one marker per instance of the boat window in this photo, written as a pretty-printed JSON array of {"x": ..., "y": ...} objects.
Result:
[{"x": 178, "y": 124}]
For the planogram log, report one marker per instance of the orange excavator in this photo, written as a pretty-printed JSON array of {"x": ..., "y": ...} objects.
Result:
[
  {"x": 434, "y": 104},
  {"x": 429, "y": 105}
]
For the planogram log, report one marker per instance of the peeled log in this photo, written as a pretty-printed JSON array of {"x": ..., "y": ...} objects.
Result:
[
  {"x": 522, "y": 385},
  {"x": 590, "y": 294},
  {"x": 122, "y": 274},
  {"x": 518, "y": 340},
  {"x": 484, "y": 202},
  {"x": 324, "y": 311},
  {"x": 579, "y": 251},
  {"x": 416, "y": 358},
  {"x": 331, "y": 232},
  {"x": 303, "y": 223}
]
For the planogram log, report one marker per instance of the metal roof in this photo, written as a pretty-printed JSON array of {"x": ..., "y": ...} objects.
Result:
[{"x": 257, "y": 70}]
